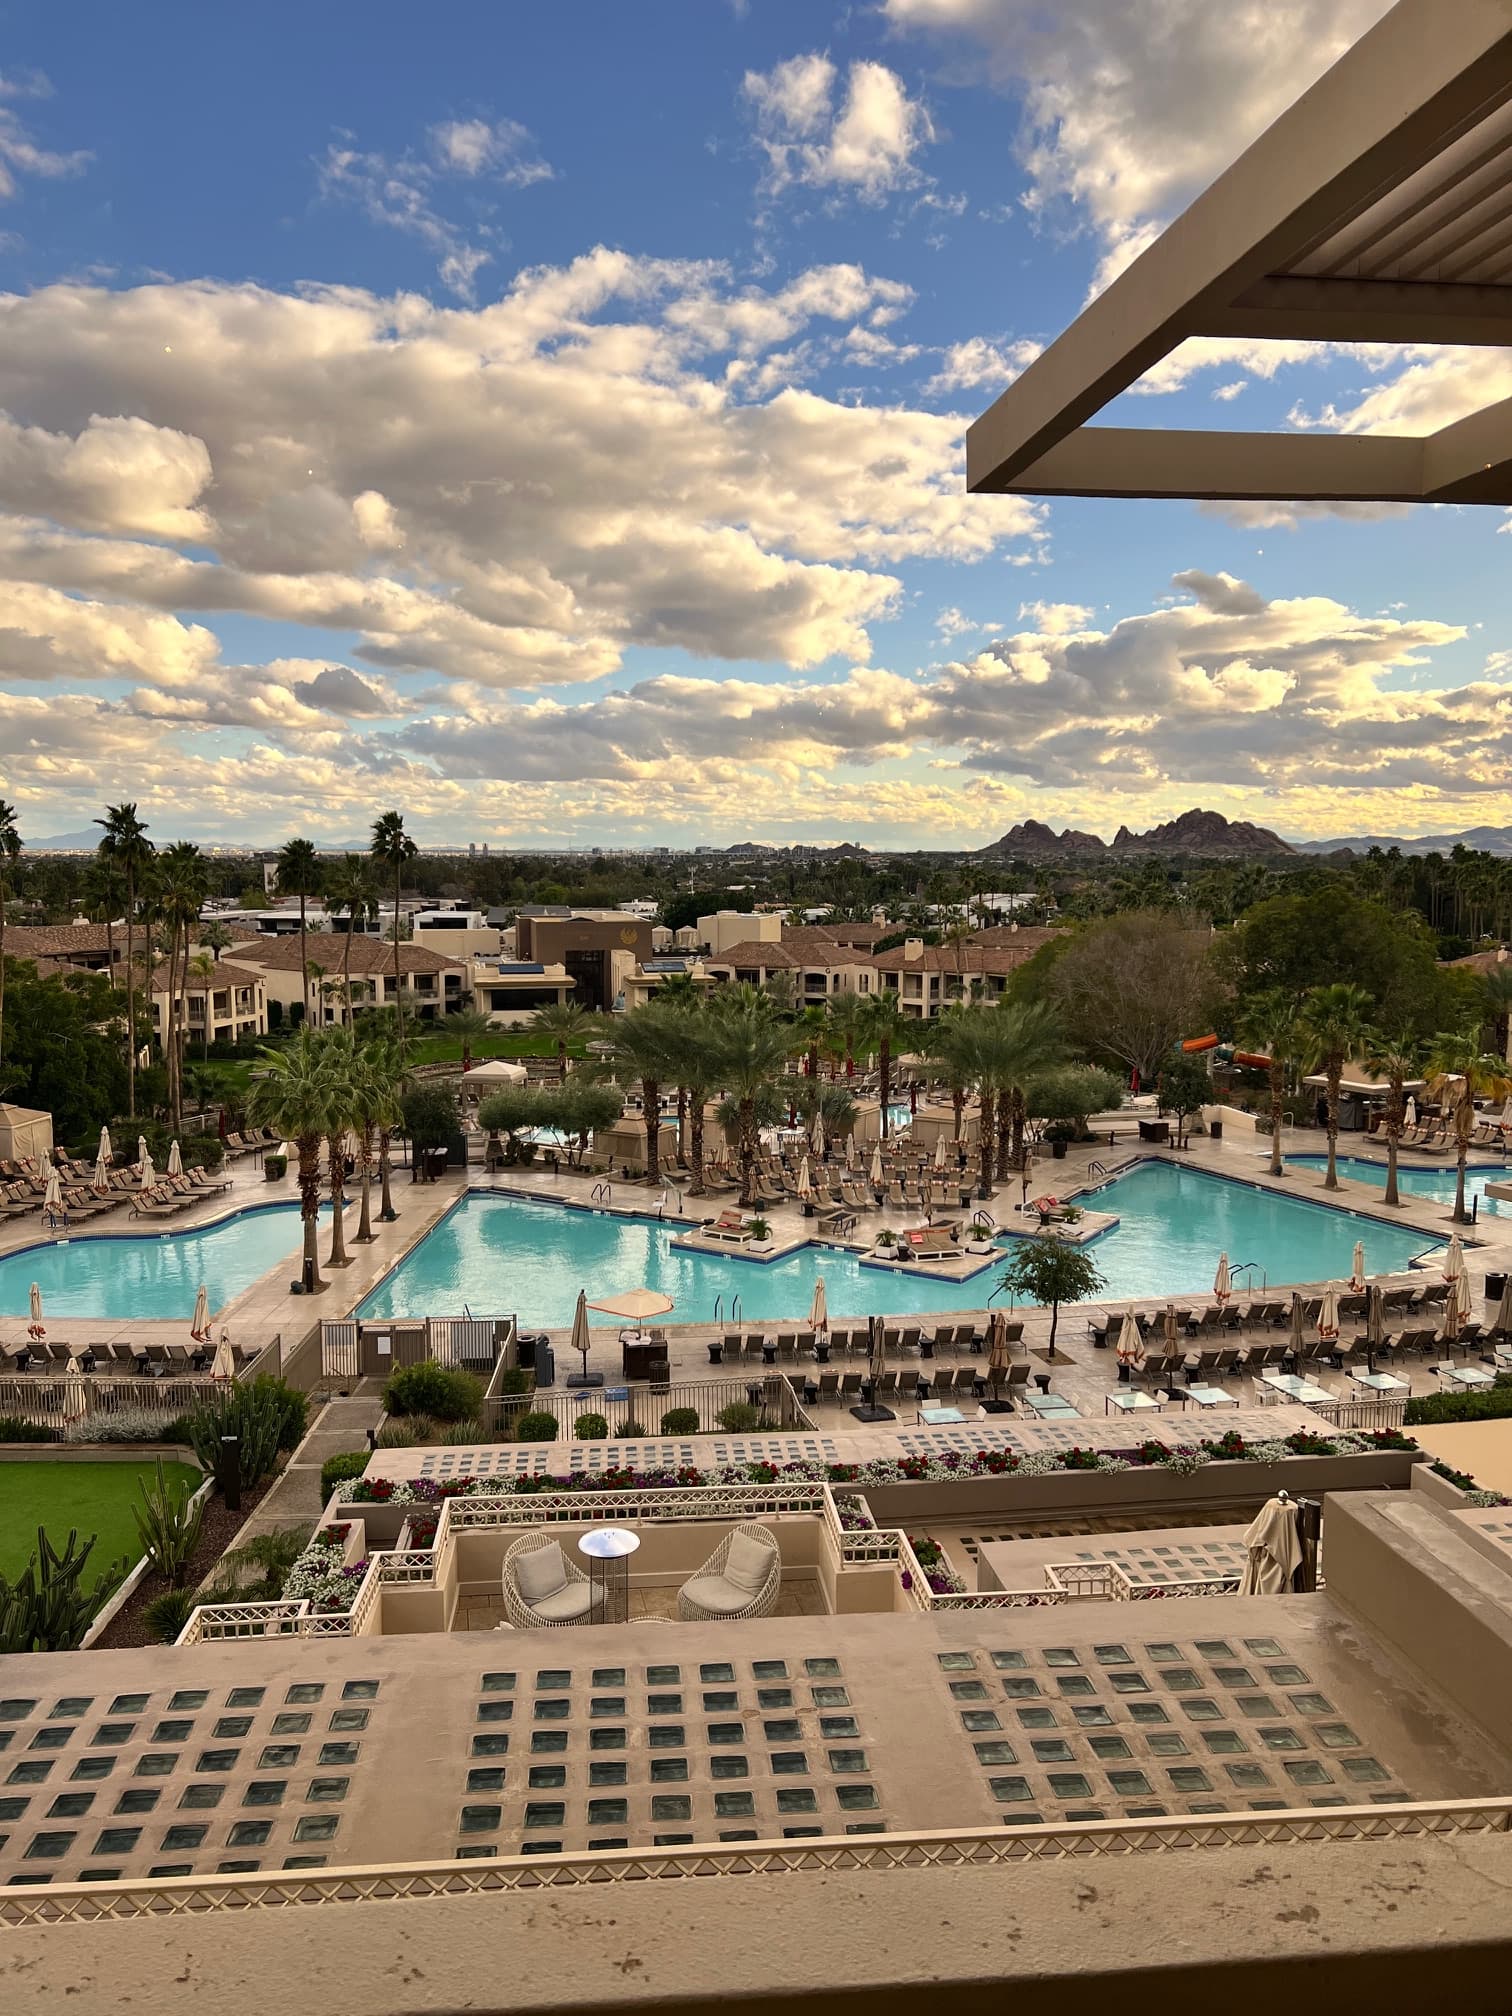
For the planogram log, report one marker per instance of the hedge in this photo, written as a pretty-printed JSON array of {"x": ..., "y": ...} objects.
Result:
[
  {"x": 337, "y": 1469},
  {"x": 1491, "y": 1403}
]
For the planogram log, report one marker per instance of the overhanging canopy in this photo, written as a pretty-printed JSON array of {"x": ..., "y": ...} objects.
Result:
[{"x": 1378, "y": 209}]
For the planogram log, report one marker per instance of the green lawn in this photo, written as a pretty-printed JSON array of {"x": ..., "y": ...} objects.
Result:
[
  {"x": 95, "y": 1497},
  {"x": 442, "y": 1048}
]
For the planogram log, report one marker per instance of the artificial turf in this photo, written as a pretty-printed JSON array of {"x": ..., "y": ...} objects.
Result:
[{"x": 95, "y": 1497}]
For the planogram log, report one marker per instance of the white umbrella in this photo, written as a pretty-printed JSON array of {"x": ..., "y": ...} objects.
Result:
[
  {"x": 1328, "y": 1315},
  {"x": 37, "y": 1328},
  {"x": 816, "y": 1135},
  {"x": 142, "y": 1148},
  {"x": 149, "y": 1174},
  {"x": 1456, "y": 1306},
  {"x": 580, "y": 1327},
  {"x": 805, "y": 1179},
  {"x": 75, "y": 1399},
  {"x": 199, "y": 1327},
  {"x": 1454, "y": 1259},
  {"x": 44, "y": 1165},
  {"x": 175, "y": 1160},
  {"x": 940, "y": 1153},
  {"x": 104, "y": 1153},
  {"x": 1275, "y": 1553},
  {"x": 1409, "y": 1112},
  {"x": 1357, "y": 1268},
  {"x": 850, "y": 1151},
  {"x": 102, "y": 1173},
  {"x": 223, "y": 1365},
  {"x": 876, "y": 1167},
  {"x": 53, "y": 1197},
  {"x": 1223, "y": 1287},
  {"x": 1131, "y": 1347},
  {"x": 818, "y": 1315}
]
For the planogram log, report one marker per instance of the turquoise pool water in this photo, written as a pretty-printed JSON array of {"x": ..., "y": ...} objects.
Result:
[
  {"x": 152, "y": 1274},
  {"x": 1437, "y": 1184},
  {"x": 501, "y": 1254}
]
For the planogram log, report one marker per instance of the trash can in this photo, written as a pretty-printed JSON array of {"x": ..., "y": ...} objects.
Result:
[
  {"x": 545, "y": 1362},
  {"x": 1496, "y": 1287},
  {"x": 1215, "y": 1128}
]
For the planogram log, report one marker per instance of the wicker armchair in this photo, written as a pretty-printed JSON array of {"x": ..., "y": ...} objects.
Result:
[
  {"x": 543, "y": 1588},
  {"x": 741, "y": 1578}
]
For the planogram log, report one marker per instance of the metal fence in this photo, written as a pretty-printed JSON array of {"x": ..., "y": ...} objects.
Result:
[
  {"x": 1375, "y": 1411},
  {"x": 647, "y": 1403},
  {"x": 75, "y": 1405},
  {"x": 349, "y": 1349}
]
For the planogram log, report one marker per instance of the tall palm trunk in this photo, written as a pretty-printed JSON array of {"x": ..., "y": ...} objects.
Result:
[
  {"x": 338, "y": 1255},
  {"x": 1394, "y": 1110},
  {"x": 958, "y": 1105},
  {"x": 747, "y": 1144},
  {"x": 1019, "y": 1114},
  {"x": 682, "y": 1126},
  {"x": 1464, "y": 1121},
  {"x": 651, "y": 1107},
  {"x": 365, "y": 1170},
  {"x": 985, "y": 1145},
  {"x": 1335, "y": 1073},
  {"x": 696, "y": 1150},
  {"x": 308, "y": 1146},
  {"x": 346, "y": 970},
  {"x": 304, "y": 962},
  {"x": 398, "y": 994},
  {"x": 1277, "y": 1093},
  {"x": 884, "y": 1079},
  {"x": 1005, "y": 1131},
  {"x": 386, "y": 1209},
  {"x": 130, "y": 1000}
]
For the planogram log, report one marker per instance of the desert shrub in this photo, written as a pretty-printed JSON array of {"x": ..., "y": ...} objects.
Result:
[
  {"x": 680, "y": 1421},
  {"x": 514, "y": 1379},
  {"x": 245, "y": 1426},
  {"x": 537, "y": 1426},
  {"x": 739, "y": 1417},
  {"x": 337, "y": 1469},
  {"x": 129, "y": 1424},
  {"x": 166, "y": 1615},
  {"x": 168, "y": 1523},
  {"x": 464, "y": 1432},
  {"x": 14, "y": 1429},
  {"x": 397, "y": 1435},
  {"x": 437, "y": 1390},
  {"x": 590, "y": 1428},
  {"x": 628, "y": 1431}
]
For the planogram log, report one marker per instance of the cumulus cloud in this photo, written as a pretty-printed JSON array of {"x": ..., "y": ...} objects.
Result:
[
  {"x": 977, "y": 362},
  {"x": 858, "y": 137}
]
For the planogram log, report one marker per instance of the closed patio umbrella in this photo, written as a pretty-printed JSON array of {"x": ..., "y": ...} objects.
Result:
[
  {"x": 1375, "y": 1325},
  {"x": 1357, "y": 1268},
  {"x": 1456, "y": 1307},
  {"x": 1328, "y": 1314},
  {"x": 876, "y": 1167},
  {"x": 1454, "y": 1259},
  {"x": 223, "y": 1365},
  {"x": 1131, "y": 1346},
  {"x": 1275, "y": 1552},
  {"x": 1409, "y": 1112},
  {"x": 44, "y": 1165},
  {"x": 1504, "y": 1118},
  {"x": 199, "y": 1327},
  {"x": 818, "y": 1316},
  {"x": 149, "y": 1174},
  {"x": 75, "y": 1398},
  {"x": 877, "y": 1360},
  {"x": 850, "y": 1151},
  {"x": 1223, "y": 1286},
  {"x": 104, "y": 1153},
  {"x": 1172, "y": 1329},
  {"x": 1296, "y": 1324},
  {"x": 175, "y": 1160},
  {"x": 142, "y": 1155},
  {"x": 1503, "y": 1320},
  {"x": 36, "y": 1328},
  {"x": 805, "y": 1179},
  {"x": 939, "y": 1161},
  {"x": 102, "y": 1173},
  {"x": 52, "y": 1199},
  {"x": 816, "y": 1134},
  {"x": 580, "y": 1327},
  {"x": 997, "y": 1348}
]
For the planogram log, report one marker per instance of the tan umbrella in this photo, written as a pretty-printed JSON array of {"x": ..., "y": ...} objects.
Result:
[
  {"x": 1357, "y": 1268},
  {"x": 1454, "y": 1259},
  {"x": 149, "y": 1174},
  {"x": 818, "y": 1316},
  {"x": 1172, "y": 1331},
  {"x": 635, "y": 1305},
  {"x": 1409, "y": 1112},
  {"x": 44, "y": 1166},
  {"x": 939, "y": 1161},
  {"x": 1328, "y": 1315},
  {"x": 580, "y": 1328},
  {"x": 36, "y": 1328},
  {"x": 805, "y": 1179},
  {"x": 1131, "y": 1346},
  {"x": 104, "y": 1153},
  {"x": 75, "y": 1398},
  {"x": 175, "y": 1160},
  {"x": 877, "y": 1361},
  {"x": 1503, "y": 1319},
  {"x": 52, "y": 1199},
  {"x": 1375, "y": 1324},
  {"x": 876, "y": 1167},
  {"x": 997, "y": 1348},
  {"x": 1296, "y": 1324},
  {"x": 1275, "y": 1552},
  {"x": 850, "y": 1151},
  {"x": 223, "y": 1365},
  {"x": 816, "y": 1134},
  {"x": 199, "y": 1328},
  {"x": 102, "y": 1172},
  {"x": 1457, "y": 1306},
  {"x": 1223, "y": 1286}
]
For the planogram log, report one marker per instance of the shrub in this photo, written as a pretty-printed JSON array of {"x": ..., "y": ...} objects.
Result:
[
  {"x": 464, "y": 1432},
  {"x": 397, "y": 1435},
  {"x": 437, "y": 1390},
  {"x": 14, "y": 1429},
  {"x": 166, "y": 1615},
  {"x": 275, "y": 1166},
  {"x": 244, "y": 1426},
  {"x": 514, "y": 1379},
  {"x": 129, "y": 1424},
  {"x": 590, "y": 1428},
  {"x": 739, "y": 1417},
  {"x": 537, "y": 1426},
  {"x": 337, "y": 1469},
  {"x": 1490, "y": 1403},
  {"x": 629, "y": 1431},
  {"x": 680, "y": 1421},
  {"x": 168, "y": 1524}
]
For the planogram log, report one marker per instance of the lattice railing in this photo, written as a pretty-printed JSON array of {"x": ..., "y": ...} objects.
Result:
[
  {"x": 1375, "y": 1410},
  {"x": 172, "y": 1896},
  {"x": 242, "y": 1620}
]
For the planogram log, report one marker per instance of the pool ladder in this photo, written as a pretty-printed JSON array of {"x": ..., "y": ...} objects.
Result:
[{"x": 601, "y": 1193}]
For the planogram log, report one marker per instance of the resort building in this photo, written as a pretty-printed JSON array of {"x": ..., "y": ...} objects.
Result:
[
  {"x": 458, "y": 934},
  {"x": 84, "y": 948},
  {"x": 433, "y": 984},
  {"x": 597, "y": 947},
  {"x": 509, "y": 991},
  {"x": 223, "y": 1006},
  {"x": 829, "y": 960},
  {"x": 721, "y": 930},
  {"x": 642, "y": 985}
]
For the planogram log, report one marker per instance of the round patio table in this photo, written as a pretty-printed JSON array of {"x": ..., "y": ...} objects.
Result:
[{"x": 607, "y": 1550}]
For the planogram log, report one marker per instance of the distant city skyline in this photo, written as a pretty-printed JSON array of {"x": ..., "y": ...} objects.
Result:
[{"x": 555, "y": 429}]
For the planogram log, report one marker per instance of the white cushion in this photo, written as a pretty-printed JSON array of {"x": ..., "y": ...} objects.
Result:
[
  {"x": 748, "y": 1562},
  {"x": 540, "y": 1571},
  {"x": 575, "y": 1599},
  {"x": 719, "y": 1597}
]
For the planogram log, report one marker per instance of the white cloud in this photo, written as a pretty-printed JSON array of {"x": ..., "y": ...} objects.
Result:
[
  {"x": 21, "y": 154},
  {"x": 978, "y": 362},
  {"x": 498, "y": 147},
  {"x": 861, "y": 139}
]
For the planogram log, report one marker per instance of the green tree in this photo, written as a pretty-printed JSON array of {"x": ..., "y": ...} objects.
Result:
[
  {"x": 643, "y": 1050},
  {"x": 392, "y": 848},
  {"x": 10, "y": 854},
  {"x": 64, "y": 1045},
  {"x": 1325, "y": 934},
  {"x": 1457, "y": 1055},
  {"x": 294, "y": 1095},
  {"x": 1130, "y": 988},
  {"x": 1498, "y": 986},
  {"x": 563, "y": 1023},
  {"x": 469, "y": 1025},
  {"x": 216, "y": 939},
  {"x": 124, "y": 843},
  {"x": 1184, "y": 1087},
  {"x": 300, "y": 874},
  {"x": 430, "y": 1121},
  {"x": 1335, "y": 1023},
  {"x": 751, "y": 1050},
  {"x": 1049, "y": 1271},
  {"x": 351, "y": 894},
  {"x": 1269, "y": 1026},
  {"x": 181, "y": 886},
  {"x": 1396, "y": 1057},
  {"x": 886, "y": 1027}
]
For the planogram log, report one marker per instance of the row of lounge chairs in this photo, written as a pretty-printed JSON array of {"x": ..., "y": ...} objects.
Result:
[
  {"x": 846, "y": 1341},
  {"x": 251, "y": 1141},
  {"x": 1263, "y": 1313},
  {"x": 119, "y": 1361},
  {"x": 937, "y": 1383}
]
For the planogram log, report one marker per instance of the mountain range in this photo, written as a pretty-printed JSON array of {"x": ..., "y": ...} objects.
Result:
[{"x": 1194, "y": 832}]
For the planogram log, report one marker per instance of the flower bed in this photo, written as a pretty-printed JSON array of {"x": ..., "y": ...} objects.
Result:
[{"x": 940, "y": 1576}]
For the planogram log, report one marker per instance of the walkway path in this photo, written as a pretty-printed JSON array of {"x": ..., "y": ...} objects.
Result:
[{"x": 339, "y": 1425}]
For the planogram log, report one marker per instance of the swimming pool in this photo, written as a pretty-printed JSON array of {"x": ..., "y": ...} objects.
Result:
[
  {"x": 1435, "y": 1184},
  {"x": 503, "y": 1253},
  {"x": 1174, "y": 1222},
  {"x": 151, "y": 1274}
]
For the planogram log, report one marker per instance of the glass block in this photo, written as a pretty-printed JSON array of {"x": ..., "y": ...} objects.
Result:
[
  {"x": 789, "y": 1764},
  {"x": 1313, "y": 1704},
  {"x": 857, "y": 1798},
  {"x": 304, "y": 1862},
  {"x": 598, "y": 1774},
  {"x": 608, "y": 1812},
  {"x": 1308, "y": 1772},
  {"x": 663, "y": 1676},
  {"x": 1282, "y": 1739},
  {"x": 725, "y": 1732},
  {"x": 490, "y": 1746},
  {"x": 598, "y": 1739},
  {"x": 664, "y": 1704},
  {"x": 734, "y": 1805},
  {"x": 349, "y": 1718},
  {"x": 239, "y": 1697},
  {"x": 774, "y": 1697},
  {"x": 782, "y": 1729},
  {"x": 1163, "y": 1654},
  {"x": 497, "y": 1683},
  {"x": 323, "y": 1790},
  {"x": 133, "y": 1704},
  {"x": 1336, "y": 1736},
  {"x": 265, "y": 1792},
  {"x": 303, "y": 1690},
  {"x": 360, "y": 1690},
  {"x": 49, "y": 1847},
  {"x": 202, "y": 1796},
  {"x": 499, "y": 1711},
  {"x": 722, "y": 1700},
  {"x": 669, "y": 1770},
  {"x": 1233, "y": 1676},
  {"x": 1224, "y": 1742},
  {"x": 1038, "y": 1718},
  {"x": 612, "y": 1840},
  {"x": 1112, "y": 1655},
  {"x": 1061, "y": 1655},
  {"x": 547, "y": 1777},
  {"x": 769, "y": 1669},
  {"x": 293, "y": 1723},
  {"x": 715, "y": 1672},
  {"x": 156, "y": 1763},
  {"x": 539, "y": 1813},
  {"x": 548, "y": 1708},
  {"x": 1109, "y": 1747},
  {"x": 12, "y": 1809},
  {"x": 1052, "y": 1750},
  {"x": 1189, "y": 1778},
  {"x": 1264, "y": 1648},
  {"x": 832, "y": 1727},
  {"x": 956, "y": 1662},
  {"x": 995, "y": 1753},
  {"x": 1286, "y": 1675},
  {"x": 117, "y": 1840},
  {"x": 1130, "y": 1784},
  {"x": 1363, "y": 1770},
  {"x": 278, "y": 1757},
  {"x": 976, "y": 1720},
  {"x": 967, "y": 1690},
  {"x": 667, "y": 1736},
  {"x": 1181, "y": 1680},
  {"x": 137, "y": 1802},
  {"x": 216, "y": 1760},
  {"x": 1009, "y": 1791},
  {"x": 846, "y": 1763},
  {"x": 606, "y": 1706},
  {"x": 797, "y": 1799},
  {"x": 1147, "y": 1711},
  {"x": 739, "y": 1834},
  {"x": 1128, "y": 1683},
  {"x": 338, "y": 1753},
  {"x": 321, "y": 1826},
  {"x": 1247, "y": 1776},
  {"x": 1010, "y": 1662},
  {"x": 1075, "y": 1685},
  {"x": 549, "y": 1679},
  {"x": 110, "y": 1733},
  {"x": 185, "y": 1835},
  {"x": 1167, "y": 1743},
  {"x": 249, "y": 1833},
  {"x": 1259, "y": 1707},
  {"x": 237, "y": 1867},
  {"x": 70, "y": 1806},
  {"x": 674, "y": 1806},
  {"x": 187, "y": 1698},
  {"x": 1215, "y": 1648},
  {"x": 1069, "y": 1785},
  {"x": 14, "y": 1709},
  {"x": 729, "y": 1767},
  {"x": 1092, "y": 1718},
  {"x": 55, "y": 1739},
  {"x": 607, "y": 1676},
  {"x": 671, "y": 1840},
  {"x": 831, "y": 1697},
  {"x": 1021, "y": 1690},
  {"x": 232, "y": 1725},
  {"x": 178, "y": 1730},
  {"x": 1199, "y": 1708},
  {"x": 822, "y": 1669}
]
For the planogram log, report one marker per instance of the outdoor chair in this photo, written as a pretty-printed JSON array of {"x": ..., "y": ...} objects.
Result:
[
  {"x": 543, "y": 1588},
  {"x": 829, "y": 1385},
  {"x": 850, "y": 1385},
  {"x": 741, "y": 1578}
]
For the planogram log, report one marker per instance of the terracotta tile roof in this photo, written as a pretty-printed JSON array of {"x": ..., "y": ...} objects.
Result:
[
  {"x": 328, "y": 949},
  {"x": 972, "y": 957},
  {"x": 226, "y": 975},
  {"x": 61, "y": 941}
]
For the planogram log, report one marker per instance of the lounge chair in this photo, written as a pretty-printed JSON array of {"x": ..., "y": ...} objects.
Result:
[
  {"x": 543, "y": 1589},
  {"x": 741, "y": 1578}
]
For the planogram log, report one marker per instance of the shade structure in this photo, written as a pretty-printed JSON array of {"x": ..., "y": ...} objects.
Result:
[
  {"x": 1357, "y": 1267},
  {"x": 497, "y": 1071},
  {"x": 1275, "y": 1552},
  {"x": 1503, "y": 1318},
  {"x": 223, "y": 1364},
  {"x": 75, "y": 1396},
  {"x": 199, "y": 1326},
  {"x": 818, "y": 1316},
  {"x": 1131, "y": 1346},
  {"x": 52, "y": 1199},
  {"x": 1454, "y": 1259},
  {"x": 175, "y": 1160},
  {"x": 635, "y": 1305},
  {"x": 1223, "y": 1286},
  {"x": 805, "y": 1179},
  {"x": 149, "y": 1174},
  {"x": 1296, "y": 1324},
  {"x": 104, "y": 1152},
  {"x": 1409, "y": 1113},
  {"x": 939, "y": 1161},
  {"x": 876, "y": 1167},
  {"x": 1328, "y": 1315},
  {"x": 580, "y": 1326}
]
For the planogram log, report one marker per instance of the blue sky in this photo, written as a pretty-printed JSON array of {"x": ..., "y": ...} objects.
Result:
[{"x": 549, "y": 420}]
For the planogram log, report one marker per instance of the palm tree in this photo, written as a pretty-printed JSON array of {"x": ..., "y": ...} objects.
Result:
[
  {"x": 367, "y": 1102},
  {"x": 848, "y": 1017},
  {"x": 300, "y": 874},
  {"x": 1458, "y": 1055},
  {"x": 10, "y": 854},
  {"x": 393, "y": 847},
  {"x": 809, "y": 1034},
  {"x": 216, "y": 939},
  {"x": 1270, "y": 1025},
  {"x": 202, "y": 966},
  {"x": 294, "y": 1095},
  {"x": 181, "y": 883},
  {"x": 940, "y": 1042},
  {"x": 468, "y": 1025},
  {"x": 387, "y": 1067},
  {"x": 644, "y": 1049},
  {"x": 125, "y": 843},
  {"x": 104, "y": 900},
  {"x": 565, "y": 1023},
  {"x": 1335, "y": 1025},
  {"x": 339, "y": 1055},
  {"x": 1032, "y": 1043},
  {"x": 885, "y": 1025},
  {"x": 1397, "y": 1057},
  {"x": 351, "y": 893},
  {"x": 751, "y": 1050},
  {"x": 1499, "y": 1004}
]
